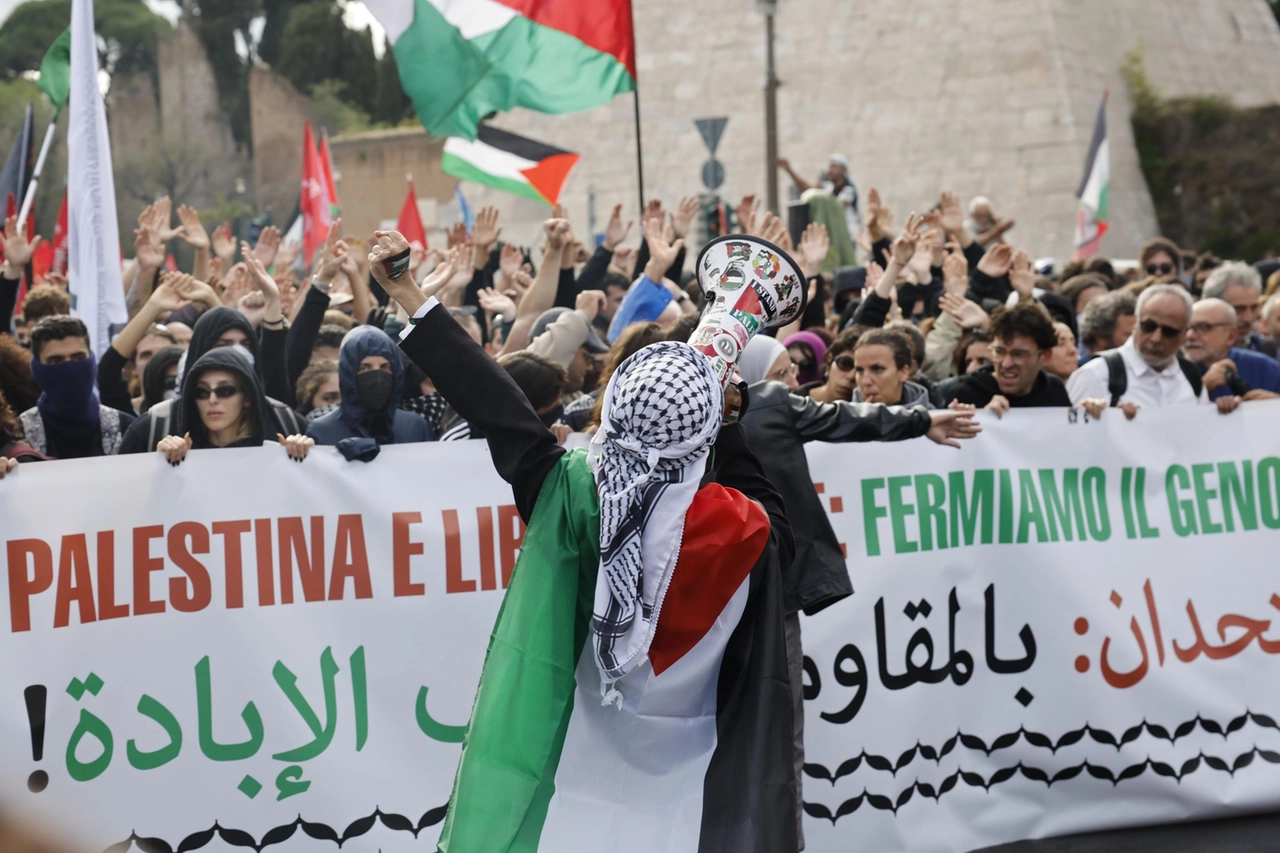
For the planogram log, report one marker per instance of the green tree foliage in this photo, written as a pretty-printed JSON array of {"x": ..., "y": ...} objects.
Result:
[
  {"x": 390, "y": 104},
  {"x": 217, "y": 23},
  {"x": 316, "y": 45},
  {"x": 127, "y": 29},
  {"x": 275, "y": 14}
]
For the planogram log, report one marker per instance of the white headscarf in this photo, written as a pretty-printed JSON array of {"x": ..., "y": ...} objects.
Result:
[
  {"x": 758, "y": 356},
  {"x": 661, "y": 413}
]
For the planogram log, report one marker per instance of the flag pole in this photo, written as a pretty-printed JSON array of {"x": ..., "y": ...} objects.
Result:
[
  {"x": 30, "y": 195},
  {"x": 639, "y": 149}
]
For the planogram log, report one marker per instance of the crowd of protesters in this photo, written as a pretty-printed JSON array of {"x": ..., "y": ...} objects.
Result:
[{"x": 942, "y": 313}]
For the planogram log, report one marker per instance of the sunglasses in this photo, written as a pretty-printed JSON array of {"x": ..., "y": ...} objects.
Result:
[
  {"x": 844, "y": 362},
  {"x": 222, "y": 392},
  {"x": 1149, "y": 327},
  {"x": 1159, "y": 269}
]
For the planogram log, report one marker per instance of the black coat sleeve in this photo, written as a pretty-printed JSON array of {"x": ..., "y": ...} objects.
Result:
[
  {"x": 594, "y": 271},
  {"x": 275, "y": 374},
  {"x": 113, "y": 391},
  {"x": 983, "y": 286},
  {"x": 8, "y": 301},
  {"x": 880, "y": 251},
  {"x": 736, "y": 467},
  {"x": 486, "y": 396},
  {"x": 873, "y": 310},
  {"x": 301, "y": 336},
  {"x": 973, "y": 253},
  {"x": 566, "y": 289}
]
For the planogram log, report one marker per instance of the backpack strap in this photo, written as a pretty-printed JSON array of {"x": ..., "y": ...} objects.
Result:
[
  {"x": 1192, "y": 372},
  {"x": 286, "y": 418},
  {"x": 1117, "y": 378}
]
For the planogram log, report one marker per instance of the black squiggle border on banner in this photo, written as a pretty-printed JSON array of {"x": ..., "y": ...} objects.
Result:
[
  {"x": 879, "y": 801},
  {"x": 1036, "y": 739},
  {"x": 318, "y": 831}
]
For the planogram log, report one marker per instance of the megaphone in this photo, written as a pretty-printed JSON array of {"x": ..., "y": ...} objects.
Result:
[{"x": 749, "y": 285}]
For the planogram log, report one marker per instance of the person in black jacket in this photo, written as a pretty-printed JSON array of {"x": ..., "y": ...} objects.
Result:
[
  {"x": 1022, "y": 342},
  {"x": 778, "y": 424},
  {"x": 222, "y": 405}
]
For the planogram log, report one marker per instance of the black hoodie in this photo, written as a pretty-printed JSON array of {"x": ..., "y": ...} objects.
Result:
[
  {"x": 188, "y": 415},
  {"x": 268, "y": 354}
]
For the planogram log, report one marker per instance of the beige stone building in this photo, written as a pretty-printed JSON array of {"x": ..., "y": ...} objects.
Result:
[{"x": 983, "y": 96}]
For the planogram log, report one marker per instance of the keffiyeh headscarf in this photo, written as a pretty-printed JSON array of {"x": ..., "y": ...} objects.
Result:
[{"x": 661, "y": 413}]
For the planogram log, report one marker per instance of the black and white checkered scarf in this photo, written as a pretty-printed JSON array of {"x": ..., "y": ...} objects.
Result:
[{"x": 661, "y": 413}]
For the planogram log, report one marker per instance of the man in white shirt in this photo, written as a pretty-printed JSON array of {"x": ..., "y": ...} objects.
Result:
[{"x": 1155, "y": 372}]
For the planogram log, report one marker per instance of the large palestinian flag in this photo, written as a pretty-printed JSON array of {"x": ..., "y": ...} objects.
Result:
[
  {"x": 1094, "y": 191},
  {"x": 505, "y": 161},
  {"x": 460, "y": 60}
]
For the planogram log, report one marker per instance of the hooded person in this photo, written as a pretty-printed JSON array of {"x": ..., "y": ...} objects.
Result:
[
  {"x": 808, "y": 351},
  {"x": 160, "y": 376},
  {"x": 221, "y": 328},
  {"x": 371, "y": 377},
  {"x": 68, "y": 421},
  {"x": 221, "y": 405},
  {"x": 647, "y": 588}
]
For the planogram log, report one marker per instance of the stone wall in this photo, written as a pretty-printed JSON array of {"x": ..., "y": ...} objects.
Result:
[
  {"x": 370, "y": 173},
  {"x": 277, "y": 112},
  {"x": 982, "y": 96}
]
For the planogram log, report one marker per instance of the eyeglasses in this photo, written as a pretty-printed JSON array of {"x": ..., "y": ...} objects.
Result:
[
  {"x": 1203, "y": 328},
  {"x": 781, "y": 374},
  {"x": 844, "y": 362},
  {"x": 998, "y": 353},
  {"x": 1149, "y": 327},
  {"x": 1159, "y": 269},
  {"x": 222, "y": 392}
]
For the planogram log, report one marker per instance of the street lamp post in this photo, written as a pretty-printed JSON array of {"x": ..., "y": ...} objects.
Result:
[{"x": 770, "y": 8}]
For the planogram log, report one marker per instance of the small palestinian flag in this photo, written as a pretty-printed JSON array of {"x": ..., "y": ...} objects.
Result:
[
  {"x": 1091, "y": 218},
  {"x": 505, "y": 161}
]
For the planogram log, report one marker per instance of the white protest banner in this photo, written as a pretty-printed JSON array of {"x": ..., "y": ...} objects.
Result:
[
  {"x": 1066, "y": 626},
  {"x": 248, "y": 642},
  {"x": 248, "y": 652}
]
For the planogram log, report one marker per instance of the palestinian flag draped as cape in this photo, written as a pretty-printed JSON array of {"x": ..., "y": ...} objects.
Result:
[{"x": 546, "y": 767}]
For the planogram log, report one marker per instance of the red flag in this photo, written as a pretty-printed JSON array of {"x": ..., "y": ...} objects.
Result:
[
  {"x": 326, "y": 160},
  {"x": 59, "y": 241},
  {"x": 410, "y": 223},
  {"x": 41, "y": 260},
  {"x": 317, "y": 215}
]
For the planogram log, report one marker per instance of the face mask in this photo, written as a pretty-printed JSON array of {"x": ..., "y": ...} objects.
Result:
[
  {"x": 374, "y": 390},
  {"x": 316, "y": 414},
  {"x": 69, "y": 396}
]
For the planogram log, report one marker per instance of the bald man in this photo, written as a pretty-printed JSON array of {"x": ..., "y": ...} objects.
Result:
[{"x": 1210, "y": 343}]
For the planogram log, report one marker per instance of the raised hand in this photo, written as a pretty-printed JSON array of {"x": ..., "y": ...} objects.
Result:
[
  {"x": 591, "y": 303},
  {"x": 147, "y": 250},
  {"x": 191, "y": 289},
  {"x": 558, "y": 234},
  {"x": 879, "y": 217},
  {"x": 814, "y": 245},
  {"x": 494, "y": 303},
  {"x": 268, "y": 246},
  {"x": 662, "y": 252},
  {"x": 193, "y": 232},
  {"x": 773, "y": 229},
  {"x": 967, "y": 313},
  {"x": 904, "y": 247},
  {"x": 510, "y": 259},
  {"x": 17, "y": 249},
  {"x": 955, "y": 272},
  {"x": 237, "y": 285},
  {"x": 745, "y": 213},
  {"x": 258, "y": 270},
  {"x": 485, "y": 232},
  {"x": 624, "y": 261},
  {"x": 652, "y": 210},
  {"x": 875, "y": 274},
  {"x": 952, "y": 217},
  {"x": 1022, "y": 275},
  {"x": 332, "y": 254},
  {"x": 439, "y": 277},
  {"x": 456, "y": 236},
  {"x": 683, "y": 215},
  {"x": 162, "y": 213},
  {"x": 614, "y": 232},
  {"x": 997, "y": 260},
  {"x": 224, "y": 245},
  {"x": 253, "y": 305},
  {"x": 166, "y": 296}
]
